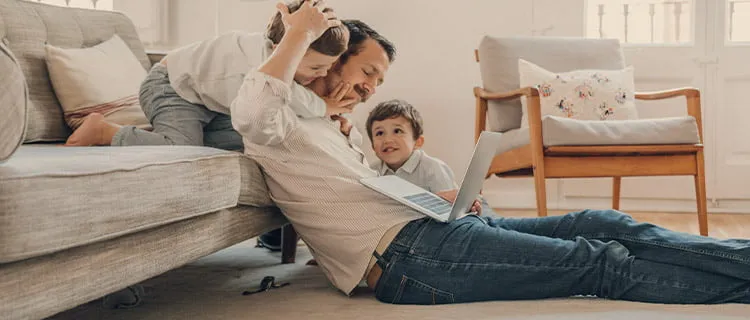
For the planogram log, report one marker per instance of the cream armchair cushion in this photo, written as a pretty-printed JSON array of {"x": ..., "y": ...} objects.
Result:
[
  {"x": 498, "y": 61},
  {"x": 581, "y": 94}
]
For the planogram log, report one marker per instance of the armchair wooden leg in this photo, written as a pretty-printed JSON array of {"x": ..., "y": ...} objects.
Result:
[
  {"x": 616, "y": 192},
  {"x": 700, "y": 195},
  {"x": 541, "y": 191},
  {"x": 289, "y": 239}
]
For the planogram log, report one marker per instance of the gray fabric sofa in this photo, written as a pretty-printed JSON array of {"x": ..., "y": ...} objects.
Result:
[{"x": 79, "y": 223}]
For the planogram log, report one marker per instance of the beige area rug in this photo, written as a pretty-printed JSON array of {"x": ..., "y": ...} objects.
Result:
[{"x": 211, "y": 288}]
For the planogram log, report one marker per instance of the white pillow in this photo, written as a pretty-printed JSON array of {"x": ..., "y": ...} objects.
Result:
[
  {"x": 104, "y": 78},
  {"x": 581, "y": 94}
]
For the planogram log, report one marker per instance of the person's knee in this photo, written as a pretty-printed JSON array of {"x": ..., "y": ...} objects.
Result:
[
  {"x": 177, "y": 139},
  {"x": 608, "y": 215}
]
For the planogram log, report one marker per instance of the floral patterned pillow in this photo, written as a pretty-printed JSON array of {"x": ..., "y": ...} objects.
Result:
[{"x": 581, "y": 94}]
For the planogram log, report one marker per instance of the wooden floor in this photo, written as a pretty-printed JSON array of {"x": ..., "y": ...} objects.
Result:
[{"x": 720, "y": 225}]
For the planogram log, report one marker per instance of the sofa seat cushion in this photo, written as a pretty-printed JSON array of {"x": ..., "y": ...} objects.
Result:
[
  {"x": 54, "y": 197},
  {"x": 560, "y": 131}
]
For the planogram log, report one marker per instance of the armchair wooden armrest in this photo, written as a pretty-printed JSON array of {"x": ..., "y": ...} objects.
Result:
[
  {"x": 155, "y": 56},
  {"x": 504, "y": 96},
  {"x": 692, "y": 95},
  {"x": 665, "y": 94},
  {"x": 533, "y": 105}
]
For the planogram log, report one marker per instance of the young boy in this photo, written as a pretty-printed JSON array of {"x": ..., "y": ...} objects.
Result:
[
  {"x": 187, "y": 96},
  {"x": 395, "y": 130}
]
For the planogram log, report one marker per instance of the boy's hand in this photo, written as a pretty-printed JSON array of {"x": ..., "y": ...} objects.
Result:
[
  {"x": 450, "y": 195},
  {"x": 309, "y": 18},
  {"x": 346, "y": 126},
  {"x": 336, "y": 104}
]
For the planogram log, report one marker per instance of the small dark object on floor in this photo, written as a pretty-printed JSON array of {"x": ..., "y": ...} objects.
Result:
[
  {"x": 270, "y": 240},
  {"x": 266, "y": 284},
  {"x": 312, "y": 262},
  {"x": 127, "y": 298}
]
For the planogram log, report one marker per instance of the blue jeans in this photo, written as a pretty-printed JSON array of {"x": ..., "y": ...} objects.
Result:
[
  {"x": 177, "y": 121},
  {"x": 600, "y": 253}
]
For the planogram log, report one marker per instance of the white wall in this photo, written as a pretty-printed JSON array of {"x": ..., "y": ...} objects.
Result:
[{"x": 435, "y": 68}]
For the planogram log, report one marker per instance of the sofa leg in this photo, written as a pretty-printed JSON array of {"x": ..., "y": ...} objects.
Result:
[{"x": 289, "y": 239}]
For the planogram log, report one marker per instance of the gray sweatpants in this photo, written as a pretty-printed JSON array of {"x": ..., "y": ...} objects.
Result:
[{"x": 176, "y": 121}]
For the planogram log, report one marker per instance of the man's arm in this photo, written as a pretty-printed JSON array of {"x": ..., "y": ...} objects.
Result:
[{"x": 261, "y": 112}]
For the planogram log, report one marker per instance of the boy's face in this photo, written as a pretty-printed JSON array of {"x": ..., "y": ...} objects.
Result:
[
  {"x": 314, "y": 65},
  {"x": 393, "y": 141}
]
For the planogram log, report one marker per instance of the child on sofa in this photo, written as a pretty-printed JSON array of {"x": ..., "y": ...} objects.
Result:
[{"x": 187, "y": 96}]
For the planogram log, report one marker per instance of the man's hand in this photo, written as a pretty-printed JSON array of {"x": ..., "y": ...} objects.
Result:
[
  {"x": 450, "y": 195},
  {"x": 346, "y": 126},
  {"x": 309, "y": 18},
  {"x": 336, "y": 104}
]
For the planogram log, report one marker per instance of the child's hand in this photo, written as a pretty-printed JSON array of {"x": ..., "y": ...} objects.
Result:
[
  {"x": 336, "y": 104},
  {"x": 346, "y": 126},
  {"x": 477, "y": 207},
  {"x": 309, "y": 18},
  {"x": 450, "y": 195}
]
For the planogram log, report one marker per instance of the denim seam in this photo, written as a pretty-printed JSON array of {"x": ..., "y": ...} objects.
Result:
[
  {"x": 418, "y": 238},
  {"x": 736, "y": 258},
  {"x": 423, "y": 286},
  {"x": 434, "y": 261},
  {"x": 659, "y": 282}
]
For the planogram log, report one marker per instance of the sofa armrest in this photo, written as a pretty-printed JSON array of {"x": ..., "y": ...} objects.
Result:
[{"x": 155, "y": 56}]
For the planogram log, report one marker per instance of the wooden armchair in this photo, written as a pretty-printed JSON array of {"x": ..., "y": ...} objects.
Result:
[{"x": 587, "y": 161}]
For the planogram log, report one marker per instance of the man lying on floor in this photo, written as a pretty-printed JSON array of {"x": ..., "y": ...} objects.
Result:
[{"x": 313, "y": 172}]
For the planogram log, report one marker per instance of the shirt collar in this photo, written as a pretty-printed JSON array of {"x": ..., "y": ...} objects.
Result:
[{"x": 409, "y": 166}]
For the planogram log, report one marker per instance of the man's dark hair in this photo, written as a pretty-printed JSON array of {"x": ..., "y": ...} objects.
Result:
[
  {"x": 393, "y": 109},
  {"x": 333, "y": 42},
  {"x": 358, "y": 33}
]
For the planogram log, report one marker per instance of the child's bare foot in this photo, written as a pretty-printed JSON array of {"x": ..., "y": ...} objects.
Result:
[{"x": 92, "y": 132}]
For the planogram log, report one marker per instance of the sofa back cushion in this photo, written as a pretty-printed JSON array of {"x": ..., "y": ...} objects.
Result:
[
  {"x": 25, "y": 28},
  {"x": 498, "y": 65},
  {"x": 13, "y": 95}
]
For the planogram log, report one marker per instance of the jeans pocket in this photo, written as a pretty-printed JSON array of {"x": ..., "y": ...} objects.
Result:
[{"x": 412, "y": 291}]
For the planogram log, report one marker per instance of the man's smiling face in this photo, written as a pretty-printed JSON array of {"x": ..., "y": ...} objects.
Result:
[{"x": 364, "y": 71}]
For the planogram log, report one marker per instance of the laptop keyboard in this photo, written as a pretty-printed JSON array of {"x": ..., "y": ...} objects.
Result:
[{"x": 431, "y": 202}]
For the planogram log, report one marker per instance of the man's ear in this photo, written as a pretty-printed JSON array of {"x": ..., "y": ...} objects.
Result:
[{"x": 419, "y": 142}]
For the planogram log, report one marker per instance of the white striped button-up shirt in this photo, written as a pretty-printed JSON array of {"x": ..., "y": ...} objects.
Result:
[{"x": 313, "y": 172}]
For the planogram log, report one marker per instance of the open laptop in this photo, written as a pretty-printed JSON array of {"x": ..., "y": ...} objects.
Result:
[{"x": 433, "y": 205}]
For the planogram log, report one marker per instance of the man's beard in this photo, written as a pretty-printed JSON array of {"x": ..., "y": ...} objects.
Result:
[{"x": 333, "y": 81}]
